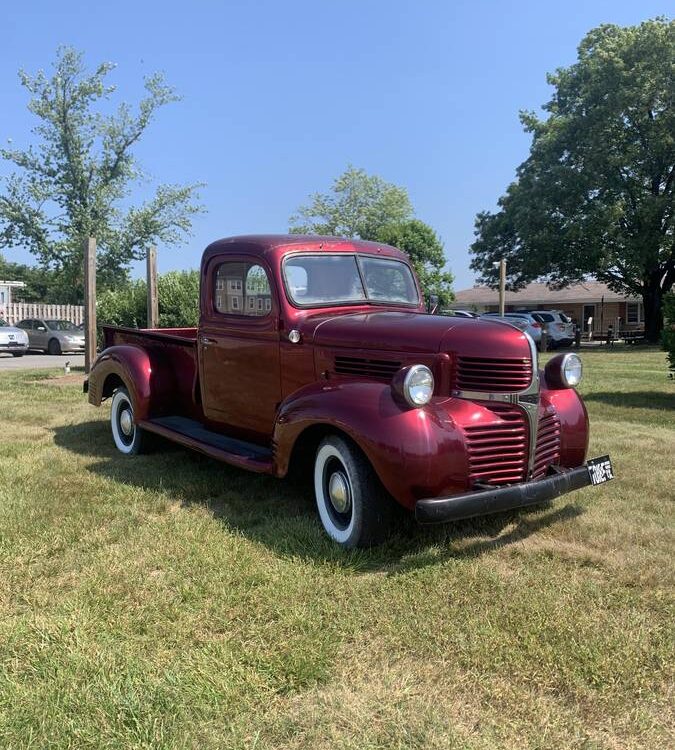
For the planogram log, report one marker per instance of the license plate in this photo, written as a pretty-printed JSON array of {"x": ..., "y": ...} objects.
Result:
[{"x": 600, "y": 470}]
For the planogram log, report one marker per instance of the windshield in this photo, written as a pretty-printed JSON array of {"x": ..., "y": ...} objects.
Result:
[
  {"x": 314, "y": 280},
  {"x": 60, "y": 325}
]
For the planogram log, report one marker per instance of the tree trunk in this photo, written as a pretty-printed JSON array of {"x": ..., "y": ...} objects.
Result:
[{"x": 652, "y": 299}]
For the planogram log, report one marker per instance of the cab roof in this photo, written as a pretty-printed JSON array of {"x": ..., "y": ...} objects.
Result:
[{"x": 277, "y": 245}]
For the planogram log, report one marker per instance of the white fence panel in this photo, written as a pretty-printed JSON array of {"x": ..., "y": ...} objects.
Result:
[{"x": 16, "y": 311}]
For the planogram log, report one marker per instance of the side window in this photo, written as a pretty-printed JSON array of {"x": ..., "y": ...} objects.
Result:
[{"x": 242, "y": 289}]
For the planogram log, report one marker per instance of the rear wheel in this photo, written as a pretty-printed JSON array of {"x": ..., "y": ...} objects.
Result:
[
  {"x": 129, "y": 438},
  {"x": 354, "y": 508},
  {"x": 18, "y": 354},
  {"x": 53, "y": 347}
]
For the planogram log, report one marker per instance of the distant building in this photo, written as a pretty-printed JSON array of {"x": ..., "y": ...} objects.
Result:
[
  {"x": 6, "y": 291},
  {"x": 579, "y": 301}
]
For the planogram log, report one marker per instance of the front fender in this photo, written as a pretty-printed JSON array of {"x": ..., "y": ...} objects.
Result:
[
  {"x": 415, "y": 452},
  {"x": 132, "y": 365}
]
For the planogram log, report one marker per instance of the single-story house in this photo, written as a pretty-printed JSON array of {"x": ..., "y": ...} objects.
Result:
[{"x": 581, "y": 302}]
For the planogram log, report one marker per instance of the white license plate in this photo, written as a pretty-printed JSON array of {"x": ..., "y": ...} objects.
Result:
[{"x": 600, "y": 470}]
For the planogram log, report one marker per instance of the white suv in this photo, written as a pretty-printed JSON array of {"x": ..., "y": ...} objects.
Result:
[{"x": 559, "y": 327}]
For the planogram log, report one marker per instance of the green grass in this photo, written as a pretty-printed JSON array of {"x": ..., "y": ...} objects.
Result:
[{"x": 171, "y": 602}]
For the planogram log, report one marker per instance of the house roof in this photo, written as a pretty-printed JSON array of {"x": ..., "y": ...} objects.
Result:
[
  {"x": 13, "y": 283},
  {"x": 540, "y": 294}
]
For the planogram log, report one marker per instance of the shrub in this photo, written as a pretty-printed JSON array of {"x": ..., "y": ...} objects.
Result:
[
  {"x": 178, "y": 293},
  {"x": 668, "y": 335}
]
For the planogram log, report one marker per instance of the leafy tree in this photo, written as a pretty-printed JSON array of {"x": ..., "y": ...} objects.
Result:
[
  {"x": 358, "y": 205},
  {"x": 74, "y": 183},
  {"x": 365, "y": 206},
  {"x": 425, "y": 250},
  {"x": 40, "y": 283},
  {"x": 595, "y": 195}
]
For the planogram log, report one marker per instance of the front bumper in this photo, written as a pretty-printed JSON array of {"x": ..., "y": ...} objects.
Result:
[{"x": 484, "y": 502}]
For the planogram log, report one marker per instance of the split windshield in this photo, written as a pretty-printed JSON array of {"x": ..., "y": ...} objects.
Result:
[{"x": 315, "y": 280}]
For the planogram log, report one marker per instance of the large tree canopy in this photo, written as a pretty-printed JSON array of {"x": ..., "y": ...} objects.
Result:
[
  {"x": 75, "y": 181},
  {"x": 595, "y": 195},
  {"x": 366, "y": 207}
]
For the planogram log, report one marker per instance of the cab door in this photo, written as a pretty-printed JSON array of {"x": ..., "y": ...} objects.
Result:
[{"x": 238, "y": 344}]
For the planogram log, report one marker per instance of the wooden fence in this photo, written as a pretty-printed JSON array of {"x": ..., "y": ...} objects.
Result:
[{"x": 16, "y": 311}]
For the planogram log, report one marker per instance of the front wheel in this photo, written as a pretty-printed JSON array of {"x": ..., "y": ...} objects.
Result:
[
  {"x": 354, "y": 508},
  {"x": 129, "y": 439},
  {"x": 18, "y": 354},
  {"x": 54, "y": 347}
]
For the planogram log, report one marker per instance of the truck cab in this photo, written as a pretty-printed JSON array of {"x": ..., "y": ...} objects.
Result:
[{"x": 318, "y": 353}]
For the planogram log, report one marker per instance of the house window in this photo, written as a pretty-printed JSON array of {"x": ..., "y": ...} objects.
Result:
[{"x": 634, "y": 313}]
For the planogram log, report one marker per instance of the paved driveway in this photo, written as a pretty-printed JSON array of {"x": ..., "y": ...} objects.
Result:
[{"x": 39, "y": 361}]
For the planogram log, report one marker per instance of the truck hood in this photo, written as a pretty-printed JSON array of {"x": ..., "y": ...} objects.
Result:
[{"x": 418, "y": 333}]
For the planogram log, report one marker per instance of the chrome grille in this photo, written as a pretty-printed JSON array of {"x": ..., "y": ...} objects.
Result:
[
  {"x": 498, "y": 451},
  {"x": 493, "y": 375},
  {"x": 548, "y": 444}
]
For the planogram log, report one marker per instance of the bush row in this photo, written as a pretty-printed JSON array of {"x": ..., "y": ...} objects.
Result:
[{"x": 178, "y": 293}]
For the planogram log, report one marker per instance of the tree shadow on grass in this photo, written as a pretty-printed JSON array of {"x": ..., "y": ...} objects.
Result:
[
  {"x": 634, "y": 399},
  {"x": 281, "y": 514}
]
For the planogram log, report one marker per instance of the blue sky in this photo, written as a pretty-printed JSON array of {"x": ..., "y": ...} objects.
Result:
[{"x": 278, "y": 98}]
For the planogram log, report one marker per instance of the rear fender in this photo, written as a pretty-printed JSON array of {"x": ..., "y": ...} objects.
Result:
[
  {"x": 405, "y": 446},
  {"x": 133, "y": 367}
]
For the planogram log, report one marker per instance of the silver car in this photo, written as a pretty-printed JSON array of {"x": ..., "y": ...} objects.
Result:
[
  {"x": 523, "y": 321},
  {"x": 53, "y": 336},
  {"x": 12, "y": 340}
]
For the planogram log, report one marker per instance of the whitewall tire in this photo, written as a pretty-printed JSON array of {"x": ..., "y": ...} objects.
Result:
[
  {"x": 128, "y": 438},
  {"x": 353, "y": 507}
]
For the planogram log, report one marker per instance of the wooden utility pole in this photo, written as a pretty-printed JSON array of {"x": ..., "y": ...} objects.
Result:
[
  {"x": 153, "y": 299},
  {"x": 89, "y": 302},
  {"x": 502, "y": 285}
]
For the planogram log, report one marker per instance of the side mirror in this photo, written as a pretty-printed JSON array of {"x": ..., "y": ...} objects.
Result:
[
  {"x": 432, "y": 304},
  {"x": 41, "y": 328}
]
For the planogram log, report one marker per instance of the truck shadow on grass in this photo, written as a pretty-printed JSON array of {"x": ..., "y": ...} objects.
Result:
[{"x": 281, "y": 515}]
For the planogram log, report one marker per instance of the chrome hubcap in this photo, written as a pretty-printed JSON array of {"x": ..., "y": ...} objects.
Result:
[
  {"x": 339, "y": 493},
  {"x": 126, "y": 422}
]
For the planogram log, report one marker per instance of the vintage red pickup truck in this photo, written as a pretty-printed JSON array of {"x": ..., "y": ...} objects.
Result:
[{"x": 319, "y": 352}]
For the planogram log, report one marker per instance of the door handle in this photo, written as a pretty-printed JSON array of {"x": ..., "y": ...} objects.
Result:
[{"x": 206, "y": 340}]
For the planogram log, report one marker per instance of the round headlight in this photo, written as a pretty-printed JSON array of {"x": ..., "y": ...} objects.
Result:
[
  {"x": 563, "y": 371},
  {"x": 572, "y": 370},
  {"x": 418, "y": 385}
]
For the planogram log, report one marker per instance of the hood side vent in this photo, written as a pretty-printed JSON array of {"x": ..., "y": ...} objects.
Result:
[{"x": 370, "y": 368}]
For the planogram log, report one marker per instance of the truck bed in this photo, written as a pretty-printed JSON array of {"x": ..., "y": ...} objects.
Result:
[{"x": 173, "y": 354}]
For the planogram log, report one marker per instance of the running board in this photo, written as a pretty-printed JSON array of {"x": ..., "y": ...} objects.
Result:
[{"x": 193, "y": 434}]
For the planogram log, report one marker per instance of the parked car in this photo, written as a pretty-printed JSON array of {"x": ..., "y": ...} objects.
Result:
[
  {"x": 12, "y": 340},
  {"x": 460, "y": 313},
  {"x": 533, "y": 327},
  {"x": 558, "y": 326},
  {"x": 317, "y": 354},
  {"x": 53, "y": 336}
]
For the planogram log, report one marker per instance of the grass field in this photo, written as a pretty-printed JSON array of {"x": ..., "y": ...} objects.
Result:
[{"x": 171, "y": 602}]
